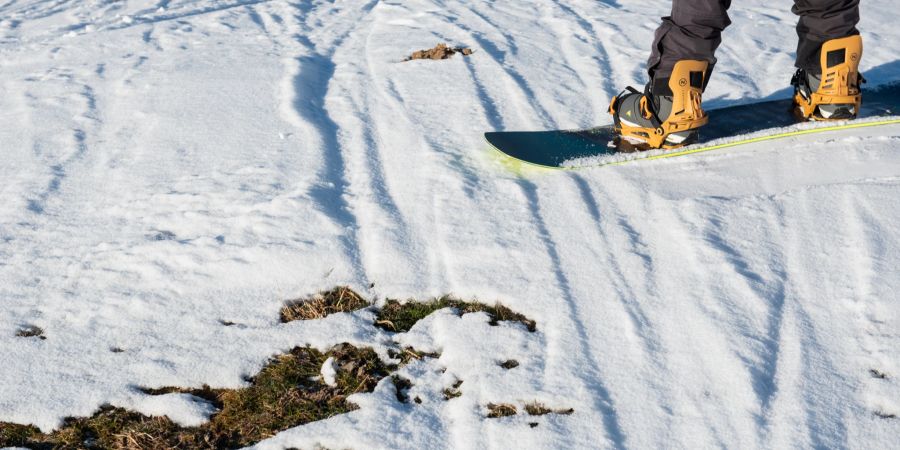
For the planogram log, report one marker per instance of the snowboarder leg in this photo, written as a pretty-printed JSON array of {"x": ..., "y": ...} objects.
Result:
[{"x": 683, "y": 56}]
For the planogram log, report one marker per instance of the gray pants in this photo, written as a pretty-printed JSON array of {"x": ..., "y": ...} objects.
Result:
[{"x": 694, "y": 31}]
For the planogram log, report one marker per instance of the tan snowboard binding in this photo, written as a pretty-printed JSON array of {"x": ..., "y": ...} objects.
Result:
[
  {"x": 666, "y": 119},
  {"x": 835, "y": 94}
]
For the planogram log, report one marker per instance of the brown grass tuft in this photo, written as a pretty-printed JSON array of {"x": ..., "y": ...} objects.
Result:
[
  {"x": 501, "y": 410},
  {"x": 440, "y": 51},
  {"x": 409, "y": 354},
  {"x": 318, "y": 306},
  {"x": 453, "y": 391},
  {"x": 538, "y": 409}
]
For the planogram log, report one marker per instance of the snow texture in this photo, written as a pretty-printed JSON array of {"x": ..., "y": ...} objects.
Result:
[
  {"x": 329, "y": 372},
  {"x": 172, "y": 171}
]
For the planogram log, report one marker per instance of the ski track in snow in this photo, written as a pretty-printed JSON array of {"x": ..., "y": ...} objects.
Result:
[{"x": 172, "y": 165}]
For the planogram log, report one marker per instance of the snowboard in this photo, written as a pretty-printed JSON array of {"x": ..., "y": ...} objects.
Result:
[{"x": 754, "y": 122}]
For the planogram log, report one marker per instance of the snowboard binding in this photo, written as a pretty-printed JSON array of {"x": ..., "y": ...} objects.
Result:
[
  {"x": 666, "y": 115},
  {"x": 835, "y": 94}
]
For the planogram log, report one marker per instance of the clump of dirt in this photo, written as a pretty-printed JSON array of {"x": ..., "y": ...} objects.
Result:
[
  {"x": 318, "y": 306},
  {"x": 402, "y": 386},
  {"x": 509, "y": 364},
  {"x": 440, "y": 51},
  {"x": 31, "y": 331}
]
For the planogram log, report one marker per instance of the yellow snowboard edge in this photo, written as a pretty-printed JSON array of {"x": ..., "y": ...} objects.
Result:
[
  {"x": 772, "y": 137},
  {"x": 520, "y": 167}
]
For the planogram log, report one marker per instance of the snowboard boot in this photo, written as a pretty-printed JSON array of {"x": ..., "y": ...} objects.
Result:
[
  {"x": 834, "y": 94},
  {"x": 667, "y": 114}
]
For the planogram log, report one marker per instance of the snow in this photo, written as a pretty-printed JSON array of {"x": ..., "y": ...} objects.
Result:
[
  {"x": 184, "y": 409},
  {"x": 329, "y": 372},
  {"x": 172, "y": 166}
]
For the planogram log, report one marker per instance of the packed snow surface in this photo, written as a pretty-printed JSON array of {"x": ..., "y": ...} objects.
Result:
[{"x": 169, "y": 167}]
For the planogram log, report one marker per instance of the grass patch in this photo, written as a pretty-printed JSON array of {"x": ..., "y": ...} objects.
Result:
[
  {"x": 318, "y": 306},
  {"x": 15, "y": 435},
  {"x": 400, "y": 317},
  {"x": 496, "y": 410},
  {"x": 285, "y": 394}
]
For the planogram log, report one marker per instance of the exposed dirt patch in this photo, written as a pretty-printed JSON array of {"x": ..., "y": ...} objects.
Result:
[
  {"x": 440, "y": 51},
  {"x": 340, "y": 299}
]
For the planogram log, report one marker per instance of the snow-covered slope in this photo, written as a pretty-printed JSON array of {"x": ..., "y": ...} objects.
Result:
[{"x": 168, "y": 165}]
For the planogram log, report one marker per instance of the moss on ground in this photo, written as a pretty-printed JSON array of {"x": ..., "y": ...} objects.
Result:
[{"x": 400, "y": 317}]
